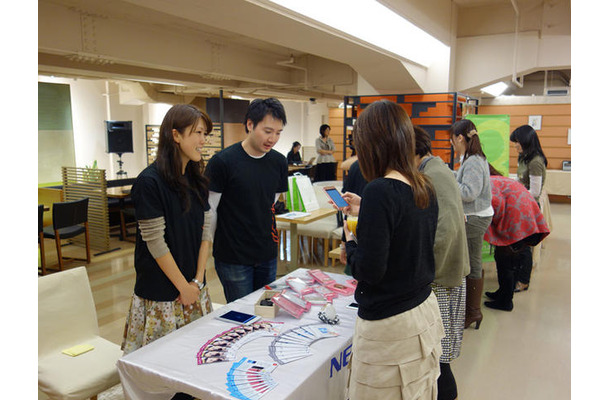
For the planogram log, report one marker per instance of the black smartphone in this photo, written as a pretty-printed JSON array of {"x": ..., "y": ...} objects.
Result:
[
  {"x": 352, "y": 306},
  {"x": 335, "y": 196}
]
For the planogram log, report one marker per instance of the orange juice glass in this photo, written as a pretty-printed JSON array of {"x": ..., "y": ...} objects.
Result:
[{"x": 352, "y": 222}]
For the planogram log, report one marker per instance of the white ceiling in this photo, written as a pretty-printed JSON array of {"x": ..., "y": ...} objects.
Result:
[{"x": 249, "y": 48}]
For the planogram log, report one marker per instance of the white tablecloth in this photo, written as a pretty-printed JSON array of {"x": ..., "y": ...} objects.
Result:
[{"x": 168, "y": 365}]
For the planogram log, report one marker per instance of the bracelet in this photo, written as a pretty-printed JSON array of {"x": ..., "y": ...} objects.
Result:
[{"x": 199, "y": 284}]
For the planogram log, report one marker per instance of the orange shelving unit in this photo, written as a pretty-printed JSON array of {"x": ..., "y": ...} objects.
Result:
[{"x": 434, "y": 112}]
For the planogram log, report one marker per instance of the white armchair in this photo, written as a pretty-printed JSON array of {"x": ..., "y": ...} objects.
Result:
[{"x": 66, "y": 318}]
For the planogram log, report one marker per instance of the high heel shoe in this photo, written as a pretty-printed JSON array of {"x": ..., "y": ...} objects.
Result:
[
  {"x": 474, "y": 290},
  {"x": 521, "y": 287}
]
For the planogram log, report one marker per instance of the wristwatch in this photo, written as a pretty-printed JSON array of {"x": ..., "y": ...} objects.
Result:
[{"x": 199, "y": 284}]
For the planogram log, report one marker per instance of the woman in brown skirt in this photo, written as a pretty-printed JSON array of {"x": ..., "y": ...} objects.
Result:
[{"x": 397, "y": 339}]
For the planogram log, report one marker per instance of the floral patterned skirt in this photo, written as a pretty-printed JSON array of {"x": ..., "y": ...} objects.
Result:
[{"x": 148, "y": 320}]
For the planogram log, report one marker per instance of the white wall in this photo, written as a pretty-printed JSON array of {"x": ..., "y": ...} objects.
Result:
[
  {"x": 95, "y": 101},
  {"x": 304, "y": 120},
  {"x": 88, "y": 115},
  {"x": 487, "y": 59},
  {"x": 293, "y": 131}
]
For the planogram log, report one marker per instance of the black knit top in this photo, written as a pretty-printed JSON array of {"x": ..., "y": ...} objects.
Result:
[{"x": 393, "y": 260}]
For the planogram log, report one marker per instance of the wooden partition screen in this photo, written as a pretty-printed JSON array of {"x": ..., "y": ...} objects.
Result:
[
  {"x": 342, "y": 150},
  {"x": 80, "y": 183}
]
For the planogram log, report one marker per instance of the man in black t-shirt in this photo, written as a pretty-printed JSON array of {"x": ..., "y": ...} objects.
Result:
[{"x": 245, "y": 181}]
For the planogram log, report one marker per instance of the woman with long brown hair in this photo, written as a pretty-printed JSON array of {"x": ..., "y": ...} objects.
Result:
[
  {"x": 475, "y": 189},
  {"x": 170, "y": 197},
  {"x": 397, "y": 338}
]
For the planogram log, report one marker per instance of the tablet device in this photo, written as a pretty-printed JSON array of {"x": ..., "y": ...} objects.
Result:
[
  {"x": 335, "y": 196},
  {"x": 238, "y": 317}
]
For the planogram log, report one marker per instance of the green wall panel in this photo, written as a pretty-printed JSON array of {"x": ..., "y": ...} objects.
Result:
[{"x": 54, "y": 107}]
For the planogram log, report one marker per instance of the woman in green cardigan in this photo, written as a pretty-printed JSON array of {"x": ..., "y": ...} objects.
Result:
[{"x": 450, "y": 258}]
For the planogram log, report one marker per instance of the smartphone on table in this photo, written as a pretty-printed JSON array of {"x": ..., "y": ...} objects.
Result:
[
  {"x": 238, "y": 317},
  {"x": 334, "y": 195}
]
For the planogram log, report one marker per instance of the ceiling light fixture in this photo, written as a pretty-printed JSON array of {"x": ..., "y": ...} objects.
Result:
[
  {"x": 496, "y": 89},
  {"x": 374, "y": 23}
]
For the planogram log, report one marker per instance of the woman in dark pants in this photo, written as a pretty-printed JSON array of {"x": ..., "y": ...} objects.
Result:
[
  {"x": 326, "y": 165},
  {"x": 517, "y": 225},
  {"x": 531, "y": 172}
]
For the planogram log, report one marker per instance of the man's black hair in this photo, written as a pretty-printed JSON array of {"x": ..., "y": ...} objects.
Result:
[{"x": 259, "y": 108}]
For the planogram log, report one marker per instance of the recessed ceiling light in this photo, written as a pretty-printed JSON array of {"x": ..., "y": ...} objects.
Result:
[{"x": 496, "y": 89}]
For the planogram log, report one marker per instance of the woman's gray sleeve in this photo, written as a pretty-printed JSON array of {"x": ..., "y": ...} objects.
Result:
[
  {"x": 153, "y": 232},
  {"x": 211, "y": 217}
]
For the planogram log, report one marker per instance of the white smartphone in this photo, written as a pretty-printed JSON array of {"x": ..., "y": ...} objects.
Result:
[
  {"x": 353, "y": 306},
  {"x": 238, "y": 317}
]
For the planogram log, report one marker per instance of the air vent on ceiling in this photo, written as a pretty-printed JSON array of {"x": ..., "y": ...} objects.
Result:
[{"x": 557, "y": 91}]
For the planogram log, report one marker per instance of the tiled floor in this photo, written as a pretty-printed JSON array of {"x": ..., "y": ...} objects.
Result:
[{"x": 523, "y": 354}]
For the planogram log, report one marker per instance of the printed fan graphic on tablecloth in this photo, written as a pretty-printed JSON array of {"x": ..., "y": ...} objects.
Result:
[
  {"x": 294, "y": 344},
  {"x": 224, "y": 346},
  {"x": 250, "y": 379}
]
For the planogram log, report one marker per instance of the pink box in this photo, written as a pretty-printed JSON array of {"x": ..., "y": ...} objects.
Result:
[
  {"x": 320, "y": 276},
  {"x": 340, "y": 288}
]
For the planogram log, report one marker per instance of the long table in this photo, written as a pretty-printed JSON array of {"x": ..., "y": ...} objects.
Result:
[{"x": 169, "y": 365}]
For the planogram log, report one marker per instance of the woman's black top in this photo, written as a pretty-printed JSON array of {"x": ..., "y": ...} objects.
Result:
[
  {"x": 153, "y": 198},
  {"x": 293, "y": 158},
  {"x": 393, "y": 260}
]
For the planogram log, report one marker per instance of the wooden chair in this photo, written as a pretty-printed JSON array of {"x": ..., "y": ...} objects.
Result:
[
  {"x": 43, "y": 267},
  {"x": 69, "y": 220},
  {"x": 127, "y": 214},
  {"x": 67, "y": 318}
]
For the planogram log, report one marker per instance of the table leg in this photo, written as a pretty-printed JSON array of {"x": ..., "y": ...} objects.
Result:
[{"x": 294, "y": 248}]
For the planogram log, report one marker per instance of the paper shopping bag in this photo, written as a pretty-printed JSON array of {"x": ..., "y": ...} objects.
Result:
[{"x": 301, "y": 196}]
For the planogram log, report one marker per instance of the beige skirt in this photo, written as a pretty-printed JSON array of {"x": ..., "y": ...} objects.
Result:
[
  {"x": 397, "y": 357},
  {"x": 148, "y": 320}
]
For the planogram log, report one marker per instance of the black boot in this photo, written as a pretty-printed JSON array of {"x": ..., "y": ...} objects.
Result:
[
  {"x": 499, "y": 305},
  {"x": 506, "y": 261},
  {"x": 493, "y": 295},
  {"x": 447, "y": 388}
]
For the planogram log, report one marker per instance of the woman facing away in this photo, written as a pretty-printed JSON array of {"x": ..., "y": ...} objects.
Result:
[
  {"x": 475, "y": 189},
  {"x": 326, "y": 165},
  {"x": 170, "y": 199},
  {"x": 517, "y": 224},
  {"x": 450, "y": 258},
  {"x": 531, "y": 172},
  {"x": 397, "y": 338}
]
